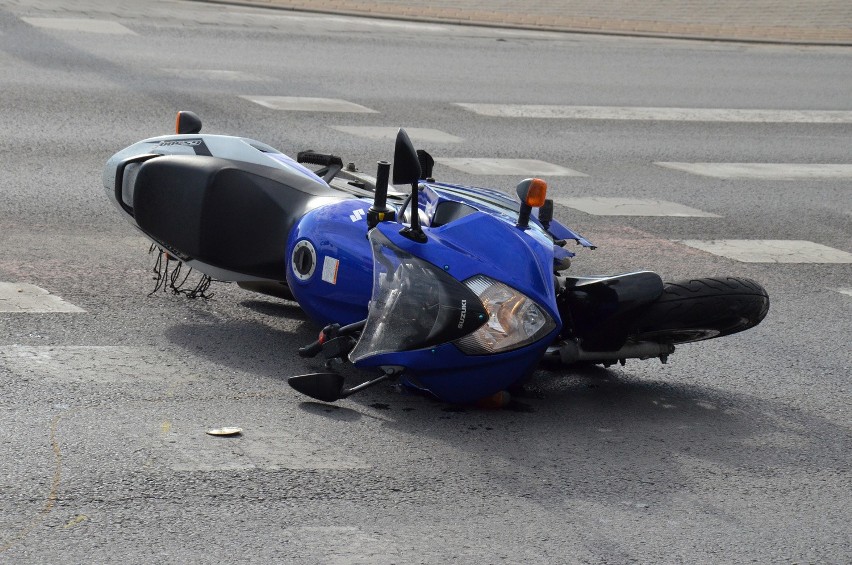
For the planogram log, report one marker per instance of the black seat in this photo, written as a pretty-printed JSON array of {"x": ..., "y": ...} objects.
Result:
[{"x": 229, "y": 214}]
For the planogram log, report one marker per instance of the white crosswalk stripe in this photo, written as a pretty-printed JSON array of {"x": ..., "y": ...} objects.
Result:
[
  {"x": 218, "y": 75},
  {"x": 771, "y": 251},
  {"x": 80, "y": 24},
  {"x": 601, "y": 206},
  {"x": 187, "y": 449},
  {"x": 659, "y": 114},
  {"x": 30, "y": 299},
  {"x": 308, "y": 104},
  {"x": 490, "y": 166},
  {"x": 765, "y": 171},
  {"x": 92, "y": 364},
  {"x": 421, "y": 135}
]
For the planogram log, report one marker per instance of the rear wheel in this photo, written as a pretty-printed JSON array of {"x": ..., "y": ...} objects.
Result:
[{"x": 700, "y": 309}]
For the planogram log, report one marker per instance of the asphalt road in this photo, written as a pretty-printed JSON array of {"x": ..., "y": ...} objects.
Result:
[{"x": 736, "y": 451}]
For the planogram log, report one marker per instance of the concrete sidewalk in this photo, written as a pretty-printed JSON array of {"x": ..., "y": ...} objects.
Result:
[{"x": 811, "y": 22}]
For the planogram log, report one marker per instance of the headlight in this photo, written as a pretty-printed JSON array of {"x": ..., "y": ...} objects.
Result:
[{"x": 514, "y": 320}]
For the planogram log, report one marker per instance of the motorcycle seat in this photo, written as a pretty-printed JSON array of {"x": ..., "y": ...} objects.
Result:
[{"x": 229, "y": 214}]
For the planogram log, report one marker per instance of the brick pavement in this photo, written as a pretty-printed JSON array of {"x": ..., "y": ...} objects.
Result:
[{"x": 817, "y": 22}]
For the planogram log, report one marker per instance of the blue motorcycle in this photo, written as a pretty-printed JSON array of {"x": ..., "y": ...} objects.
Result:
[{"x": 456, "y": 291}]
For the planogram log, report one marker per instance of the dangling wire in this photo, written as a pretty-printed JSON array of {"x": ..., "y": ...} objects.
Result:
[
  {"x": 161, "y": 275},
  {"x": 160, "y": 270}
]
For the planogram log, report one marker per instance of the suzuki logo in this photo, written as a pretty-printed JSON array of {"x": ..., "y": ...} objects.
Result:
[
  {"x": 357, "y": 215},
  {"x": 463, "y": 313}
]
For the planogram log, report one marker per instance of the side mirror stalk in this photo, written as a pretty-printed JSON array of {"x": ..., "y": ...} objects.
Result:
[
  {"x": 406, "y": 170},
  {"x": 414, "y": 232}
]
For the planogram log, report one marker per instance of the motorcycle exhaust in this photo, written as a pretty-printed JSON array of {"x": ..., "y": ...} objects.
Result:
[{"x": 571, "y": 352}]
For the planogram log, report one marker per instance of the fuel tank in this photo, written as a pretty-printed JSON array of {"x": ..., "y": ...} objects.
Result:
[{"x": 330, "y": 264}]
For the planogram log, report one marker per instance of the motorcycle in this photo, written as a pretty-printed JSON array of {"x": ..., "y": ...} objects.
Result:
[{"x": 456, "y": 291}]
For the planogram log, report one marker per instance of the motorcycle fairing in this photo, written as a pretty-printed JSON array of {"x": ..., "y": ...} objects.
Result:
[
  {"x": 481, "y": 244},
  {"x": 494, "y": 202},
  {"x": 477, "y": 244},
  {"x": 414, "y": 304}
]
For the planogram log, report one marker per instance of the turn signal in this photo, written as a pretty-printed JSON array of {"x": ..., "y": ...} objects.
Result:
[
  {"x": 187, "y": 122},
  {"x": 537, "y": 193}
]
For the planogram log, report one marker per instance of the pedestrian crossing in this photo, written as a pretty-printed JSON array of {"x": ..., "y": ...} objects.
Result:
[
  {"x": 658, "y": 114},
  {"x": 223, "y": 75},
  {"x": 86, "y": 25},
  {"x": 770, "y": 250},
  {"x": 762, "y": 251},
  {"x": 764, "y": 171},
  {"x": 747, "y": 251},
  {"x": 417, "y": 135},
  {"x": 514, "y": 167},
  {"x": 602, "y": 206},
  {"x": 22, "y": 298},
  {"x": 308, "y": 104}
]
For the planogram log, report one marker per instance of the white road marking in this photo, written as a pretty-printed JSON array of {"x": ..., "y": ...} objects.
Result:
[
  {"x": 28, "y": 298},
  {"x": 846, "y": 291},
  {"x": 489, "y": 166},
  {"x": 94, "y": 364},
  {"x": 422, "y": 135},
  {"x": 771, "y": 250},
  {"x": 659, "y": 114},
  {"x": 218, "y": 74},
  {"x": 764, "y": 171},
  {"x": 188, "y": 448},
  {"x": 301, "y": 104},
  {"x": 600, "y": 206},
  {"x": 79, "y": 24}
]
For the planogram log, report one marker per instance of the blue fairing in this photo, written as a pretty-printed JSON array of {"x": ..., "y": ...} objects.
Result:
[
  {"x": 478, "y": 244},
  {"x": 340, "y": 286},
  {"x": 455, "y": 377},
  {"x": 496, "y": 203}
]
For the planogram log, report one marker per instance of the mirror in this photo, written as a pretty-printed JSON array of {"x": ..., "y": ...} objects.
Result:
[
  {"x": 406, "y": 164},
  {"x": 322, "y": 386}
]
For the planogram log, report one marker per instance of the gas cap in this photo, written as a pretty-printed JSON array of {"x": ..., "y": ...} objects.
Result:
[{"x": 303, "y": 261}]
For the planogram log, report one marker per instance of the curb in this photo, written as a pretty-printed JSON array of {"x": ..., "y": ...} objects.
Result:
[{"x": 773, "y": 35}]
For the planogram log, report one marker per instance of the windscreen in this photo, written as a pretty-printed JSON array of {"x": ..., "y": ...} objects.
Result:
[{"x": 414, "y": 304}]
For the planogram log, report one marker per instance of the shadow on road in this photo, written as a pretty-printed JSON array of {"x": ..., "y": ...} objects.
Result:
[{"x": 591, "y": 432}]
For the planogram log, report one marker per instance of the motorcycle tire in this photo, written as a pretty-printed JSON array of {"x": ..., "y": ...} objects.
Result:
[{"x": 700, "y": 309}]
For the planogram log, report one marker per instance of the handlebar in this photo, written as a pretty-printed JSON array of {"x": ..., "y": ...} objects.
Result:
[{"x": 328, "y": 333}]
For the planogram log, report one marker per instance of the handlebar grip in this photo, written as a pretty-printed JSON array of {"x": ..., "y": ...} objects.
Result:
[
  {"x": 322, "y": 159},
  {"x": 311, "y": 350}
]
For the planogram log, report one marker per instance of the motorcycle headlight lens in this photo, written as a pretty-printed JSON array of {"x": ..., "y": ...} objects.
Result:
[{"x": 514, "y": 319}]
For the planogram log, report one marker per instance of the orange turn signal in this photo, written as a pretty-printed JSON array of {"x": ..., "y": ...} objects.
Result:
[
  {"x": 187, "y": 122},
  {"x": 537, "y": 193}
]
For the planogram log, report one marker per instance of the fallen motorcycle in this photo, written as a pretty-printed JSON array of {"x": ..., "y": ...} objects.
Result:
[{"x": 456, "y": 291}]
